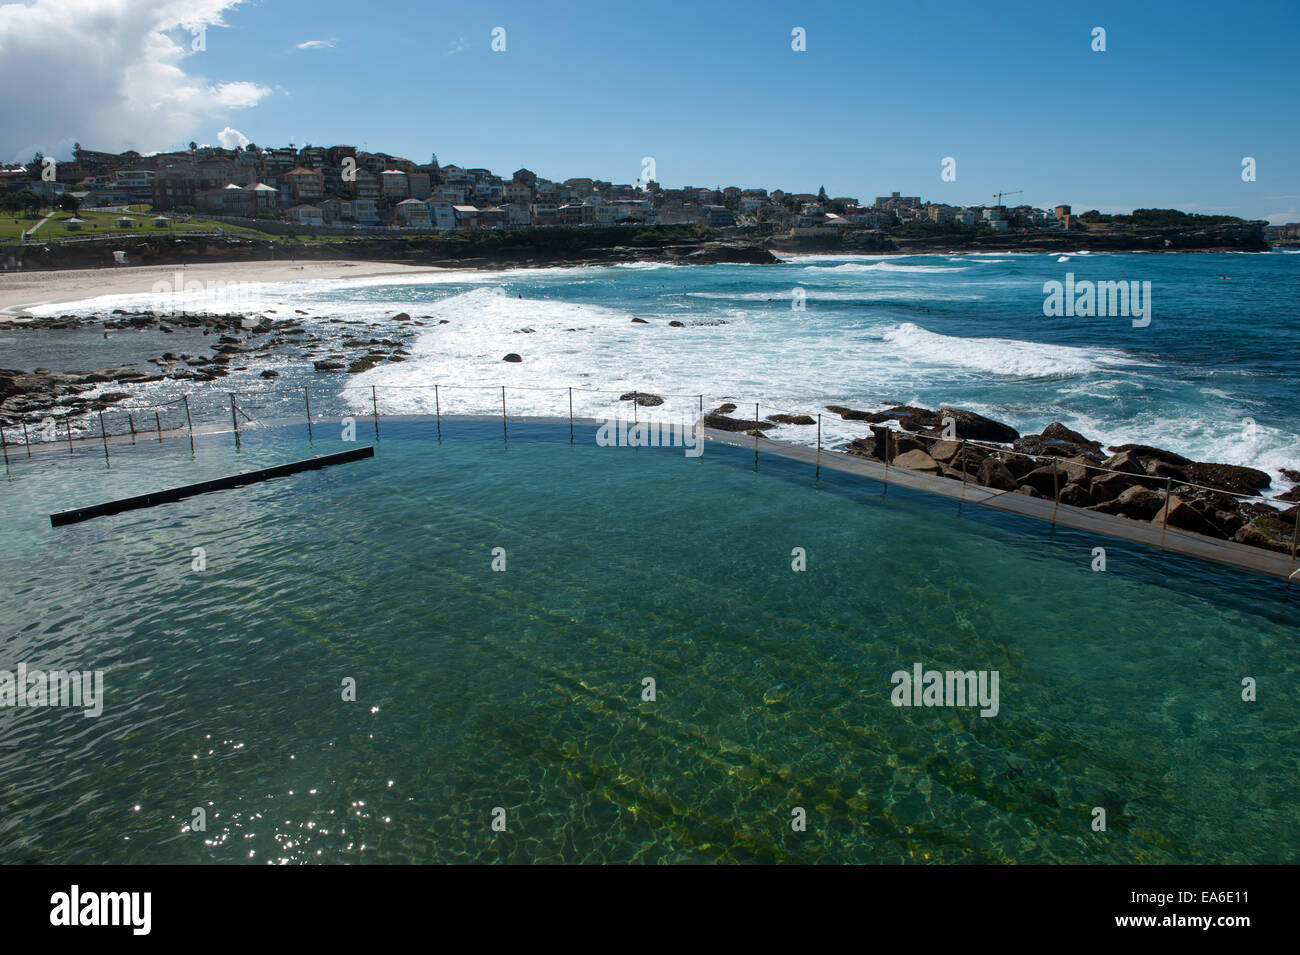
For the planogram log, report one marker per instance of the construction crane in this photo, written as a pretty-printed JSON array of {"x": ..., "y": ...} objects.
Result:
[{"x": 999, "y": 195}]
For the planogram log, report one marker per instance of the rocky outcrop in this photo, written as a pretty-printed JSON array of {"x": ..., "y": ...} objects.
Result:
[
  {"x": 1268, "y": 532},
  {"x": 642, "y": 398},
  {"x": 722, "y": 422}
]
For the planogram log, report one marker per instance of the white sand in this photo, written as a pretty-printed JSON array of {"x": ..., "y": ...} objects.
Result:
[{"x": 19, "y": 290}]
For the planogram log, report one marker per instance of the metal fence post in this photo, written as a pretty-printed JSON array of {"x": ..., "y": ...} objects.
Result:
[
  {"x": 157, "y": 422},
  {"x": 26, "y": 442},
  {"x": 374, "y": 404},
  {"x": 234, "y": 418},
  {"x": 570, "y": 415},
  {"x": 819, "y": 447},
  {"x": 103, "y": 435},
  {"x": 1056, "y": 490},
  {"x": 1164, "y": 525},
  {"x": 437, "y": 412},
  {"x": 306, "y": 397},
  {"x": 701, "y": 429},
  {"x": 189, "y": 422},
  {"x": 130, "y": 423},
  {"x": 756, "y": 432},
  {"x": 888, "y": 432},
  {"x": 5, "y": 445},
  {"x": 67, "y": 423},
  {"x": 505, "y": 433}
]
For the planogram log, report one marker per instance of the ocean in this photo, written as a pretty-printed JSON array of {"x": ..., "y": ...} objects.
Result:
[
  {"x": 1214, "y": 374},
  {"x": 498, "y": 607}
]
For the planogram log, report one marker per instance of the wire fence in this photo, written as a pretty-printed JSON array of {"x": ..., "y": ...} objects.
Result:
[{"x": 1065, "y": 480}]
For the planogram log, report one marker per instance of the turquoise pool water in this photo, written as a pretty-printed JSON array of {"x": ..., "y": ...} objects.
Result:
[{"x": 522, "y": 688}]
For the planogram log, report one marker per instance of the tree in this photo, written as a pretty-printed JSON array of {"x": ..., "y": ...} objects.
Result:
[
  {"x": 193, "y": 146},
  {"x": 821, "y": 195},
  {"x": 69, "y": 203},
  {"x": 34, "y": 167},
  {"x": 29, "y": 200}
]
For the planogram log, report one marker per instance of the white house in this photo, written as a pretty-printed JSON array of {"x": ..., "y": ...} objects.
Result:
[
  {"x": 442, "y": 214},
  {"x": 413, "y": 214},
  {"x": 307, "y": 215}
]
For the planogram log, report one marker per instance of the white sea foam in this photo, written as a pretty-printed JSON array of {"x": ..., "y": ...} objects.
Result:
[
  {"x": 884, "y": 267},
  {"x": 1000, "y": 356},
  {"x": 830, "y": 295}
]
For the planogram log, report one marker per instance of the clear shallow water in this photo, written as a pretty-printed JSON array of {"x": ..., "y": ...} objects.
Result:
[
  {"x": 1223, "y": 344},
  {"x": 522, "y": 689}
]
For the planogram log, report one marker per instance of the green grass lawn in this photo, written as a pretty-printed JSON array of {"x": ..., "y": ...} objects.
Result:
[
  {"x": 11, "y": 226},
  {"x": 105, "y": 223}
]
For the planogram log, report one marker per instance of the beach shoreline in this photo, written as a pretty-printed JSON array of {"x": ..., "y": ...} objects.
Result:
[{"x": 20, "y": 291}]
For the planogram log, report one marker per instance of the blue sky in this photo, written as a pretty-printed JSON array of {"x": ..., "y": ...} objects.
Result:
[{"x": 714, "y": 92}]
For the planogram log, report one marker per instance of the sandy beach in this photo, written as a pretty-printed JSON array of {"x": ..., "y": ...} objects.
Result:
[{"x": 21, "y": 290}]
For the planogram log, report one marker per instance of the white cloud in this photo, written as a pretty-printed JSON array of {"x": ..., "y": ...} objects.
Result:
[
  {"x": 239, "y": 95},
  {"x": 113, "y": 74},
  {"x": 459, "y": 45},
  {"x": 317, "y": 45},
  {"x": 232, "y": 138}
]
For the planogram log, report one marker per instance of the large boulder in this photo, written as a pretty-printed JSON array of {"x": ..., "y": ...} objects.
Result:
[
  {"x": 1228, "y": 477},
  {"x": 1126, "y": 461},
  {"x": 642, "y": 398},
  {"x": 1266, "y": 531},
  {"x": 1019, "y": 465},
  {"x": 1077, "y": 471},
  {"x": 1076, "y": 495},
  {"x": 918, "y": 460},
  {"x": 945, "y": 451},
  {"x": 909, "y": 417},
  {"x": 1059, "y": 432},
  {"x": 1108, "y": 485},
  {"x": 1047, "y": 480},
  {"x": 880, "y": 442},
  {"x": 863, "y": 447},
  {"x": 975, "y": 427},
  {"x": 849, "y": 414},
  {"x": 1039, "y": 446},
  {"x": 1137, "y": 502},
  {"x": 721, "y": 422},
  {"x": 1145, "y": 451},
  {"x": 993, "y": 473},
  {"x": 900, "y": 444},
  {"x": 1183, "y": 515}
]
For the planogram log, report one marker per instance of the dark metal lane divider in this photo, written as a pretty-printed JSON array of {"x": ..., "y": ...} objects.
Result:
[{"x": 167, "y": 495}]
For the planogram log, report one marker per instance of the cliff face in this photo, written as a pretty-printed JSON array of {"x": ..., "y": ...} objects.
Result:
[{"x": 1242, "y": 237}]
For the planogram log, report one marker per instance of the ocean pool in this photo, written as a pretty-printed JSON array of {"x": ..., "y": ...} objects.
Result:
[{"x": 522, "y": 689}]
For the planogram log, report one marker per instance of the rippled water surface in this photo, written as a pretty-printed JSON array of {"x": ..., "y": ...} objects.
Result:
[{"x": 522, "y": 689}]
